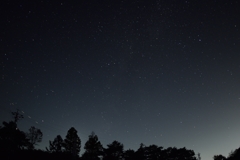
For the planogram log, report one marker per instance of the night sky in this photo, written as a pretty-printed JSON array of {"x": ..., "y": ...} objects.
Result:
[{"x": 164, "y": 72}]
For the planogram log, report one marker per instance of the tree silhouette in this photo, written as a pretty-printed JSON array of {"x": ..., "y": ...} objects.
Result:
[
  {"x": 35, "y": 136},
  {"x": 140, "y": 153},
  {"x": 14, "y": 142},
  {"x": 93, "y": 148},
  {"x": 198, "y": 156},
  {"x": 235, "y": 155},
  {"x": 219, "y": 157},
  {"x": 17, "y": 116},
  {"x": 72, "y": 142},
  {"x": 153, "y": 152},
  {"x": 183, "y": 153},
  {"x": 56, "y": 145},
  {"x": 129, "y": 155},
  {"x": 114, "y": 151},
  {"x": 12, "y": 139}
]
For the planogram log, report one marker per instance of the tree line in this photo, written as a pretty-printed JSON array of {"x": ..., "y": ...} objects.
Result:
[{"x": 18, "y": 144}]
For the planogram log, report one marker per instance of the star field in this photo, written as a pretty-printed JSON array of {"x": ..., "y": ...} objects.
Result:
[{"x": 159, "y": 72}]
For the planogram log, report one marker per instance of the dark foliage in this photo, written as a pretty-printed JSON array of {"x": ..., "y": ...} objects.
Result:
[
  {"x": 72, "y": 142},
  {"x": 129, "y": 155},
  {"x": 56, "y": 145},
  {"x": 11, "y": 138},
  {"x": 17, "y": 116},
  {"x": 15, "y": 144},
  {"x": 34, "y": 136},
  {"x": 36, "y": 155},
  {"x": 219, "y": 157},
  {"x": 235, "y": 155},
  {"x": 114, "y": 151},
  {"x": 153, "y": 152},
  {"x": 93, "y": 148}
]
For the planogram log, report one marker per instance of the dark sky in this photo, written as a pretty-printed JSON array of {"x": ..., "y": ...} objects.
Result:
[{"x": 164, "y": 72}]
